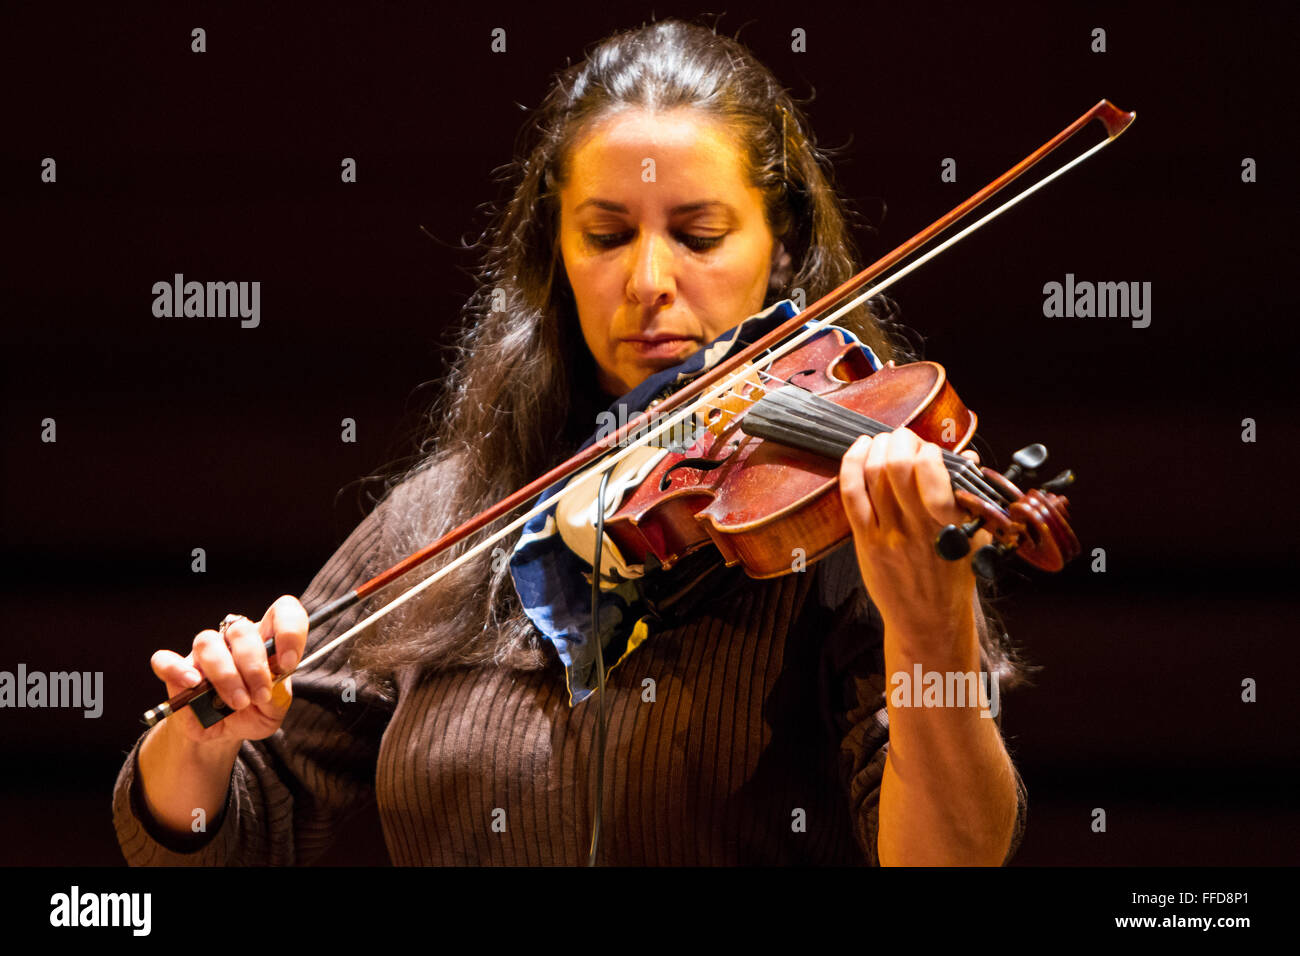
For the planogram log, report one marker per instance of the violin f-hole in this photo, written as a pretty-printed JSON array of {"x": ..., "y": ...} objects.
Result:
[{"x": 703, "y": 464}]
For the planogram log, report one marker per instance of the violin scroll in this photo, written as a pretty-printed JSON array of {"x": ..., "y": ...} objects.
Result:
[{"x": 1032, "y": 524}]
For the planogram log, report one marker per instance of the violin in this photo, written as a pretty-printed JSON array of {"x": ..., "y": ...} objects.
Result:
[
  {"x": 776, "y": 451},
  {"x": 761, "y": 482}
]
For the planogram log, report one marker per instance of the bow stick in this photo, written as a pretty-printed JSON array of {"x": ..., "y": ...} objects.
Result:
[{"x": 209, "y": 708}]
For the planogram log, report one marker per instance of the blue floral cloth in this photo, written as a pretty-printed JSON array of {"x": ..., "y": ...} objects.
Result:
[{"x": 554, "y": 583}]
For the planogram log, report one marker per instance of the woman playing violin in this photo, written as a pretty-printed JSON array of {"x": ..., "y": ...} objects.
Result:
[{"x": 671, "y": 191}]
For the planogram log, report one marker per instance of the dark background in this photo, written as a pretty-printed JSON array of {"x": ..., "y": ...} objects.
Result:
[{"x": 183, "y": 433}]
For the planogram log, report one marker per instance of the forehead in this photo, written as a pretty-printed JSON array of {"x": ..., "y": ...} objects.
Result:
[{"x": 689, "y": 149}]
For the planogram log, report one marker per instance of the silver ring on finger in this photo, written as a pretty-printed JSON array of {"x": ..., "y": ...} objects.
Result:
[{"x": 228, "y": 620}]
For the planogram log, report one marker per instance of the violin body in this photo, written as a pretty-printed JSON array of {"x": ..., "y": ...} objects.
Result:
[{"x": 767, "y": 504}]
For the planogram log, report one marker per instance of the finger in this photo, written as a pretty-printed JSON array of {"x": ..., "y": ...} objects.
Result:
[
  {"x": 215, "y": 663},
  {"x": 175, "y": 671},
  {"x": 282, "y": 693},
  {"x": 853, "y": 485},
  {"x": 934, "y": 486},
  {"x": 972, "y": 454},
  {"x": 888, "y": 514},
  {"x": 286, "y": 621},
  {"x": 248, "y": 649},
  {"x": 902, "y": 459}
]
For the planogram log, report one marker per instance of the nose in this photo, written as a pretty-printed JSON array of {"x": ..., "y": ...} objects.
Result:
[{"x": 652, "y": 280}]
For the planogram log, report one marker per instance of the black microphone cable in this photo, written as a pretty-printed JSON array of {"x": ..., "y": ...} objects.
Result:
[{"x": 601, "y": 729}]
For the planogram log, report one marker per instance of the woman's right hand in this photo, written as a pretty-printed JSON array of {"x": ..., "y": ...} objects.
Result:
[{"x": 237, "y": 667}]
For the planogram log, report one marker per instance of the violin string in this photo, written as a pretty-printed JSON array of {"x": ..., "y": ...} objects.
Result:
[
  {"x": 818, "y": 411},
  {"x": 961, "y": 470},
  {"x": 954, "y": 462}
]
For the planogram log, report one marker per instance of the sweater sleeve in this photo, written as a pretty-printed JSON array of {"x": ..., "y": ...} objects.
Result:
[
  {"x": 854, "y": 675},
  {"x": 288, "y": 793}
]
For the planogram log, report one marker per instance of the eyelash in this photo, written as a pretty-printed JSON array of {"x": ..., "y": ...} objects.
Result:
[{"x": 610, "y": 240}]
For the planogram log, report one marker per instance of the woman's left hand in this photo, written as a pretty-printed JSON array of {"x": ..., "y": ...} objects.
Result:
[{"x": 898, "y": 495}]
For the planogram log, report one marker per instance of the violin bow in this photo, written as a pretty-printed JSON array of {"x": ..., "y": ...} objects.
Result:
[{"x": 672, "y": 409}]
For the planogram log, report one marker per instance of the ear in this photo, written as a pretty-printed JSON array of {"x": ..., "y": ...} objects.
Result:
[{"x": 782, "y": 268}]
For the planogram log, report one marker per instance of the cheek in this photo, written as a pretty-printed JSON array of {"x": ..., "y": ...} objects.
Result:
[
  {"x": 586, "y": 292},
  {"x": 751, "y": 259},
  {"x": 746, "y": 277},
  {"x": 593, "y": 310},
  {"x": 587, "y": 277}
]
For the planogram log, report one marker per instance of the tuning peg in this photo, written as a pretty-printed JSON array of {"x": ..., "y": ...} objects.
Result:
[
  {"x": 1064, "y": 480},
  {"x": 1026, "y": 461},
  {"x": 987, "y": 559},
  {"x": 953, "y": 542}
]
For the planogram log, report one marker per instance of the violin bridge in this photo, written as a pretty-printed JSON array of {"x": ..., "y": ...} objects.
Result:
[
  {"x": 736, "y": 401},
  {"x": 680, "y": 437}
]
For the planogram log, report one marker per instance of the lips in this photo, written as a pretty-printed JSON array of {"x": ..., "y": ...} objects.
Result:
[{"x": 662, "y": 346}]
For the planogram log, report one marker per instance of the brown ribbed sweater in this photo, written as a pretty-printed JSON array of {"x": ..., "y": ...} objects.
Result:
[{"x": 764, "y": 743}]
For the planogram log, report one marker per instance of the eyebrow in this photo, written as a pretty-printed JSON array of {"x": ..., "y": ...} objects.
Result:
[{"x": 684, "y": 207}]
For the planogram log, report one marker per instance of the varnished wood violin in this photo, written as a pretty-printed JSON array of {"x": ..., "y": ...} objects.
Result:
[{"x": 795, "y": 425}]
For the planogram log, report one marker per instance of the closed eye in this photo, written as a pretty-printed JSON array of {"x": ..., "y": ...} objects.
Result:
[
  {"x": 610, "y": 240},
  {"x": 701, "y": 243}
]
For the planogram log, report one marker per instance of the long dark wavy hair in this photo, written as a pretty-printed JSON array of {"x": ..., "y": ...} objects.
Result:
[{"x": 522, "y": 394}]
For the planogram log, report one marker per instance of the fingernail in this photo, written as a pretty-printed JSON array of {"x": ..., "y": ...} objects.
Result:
[
  {"x": 264, "y": 695},
  {"x": 288, "y": 661},
  {"x": 239, "y": 701},
  {"x": 191, "y": 678}
]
